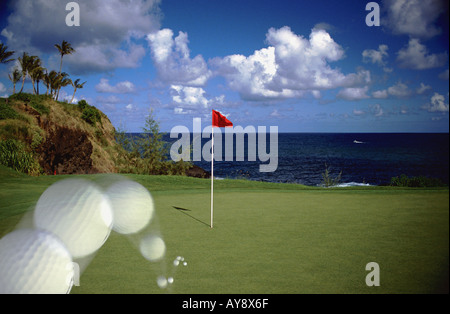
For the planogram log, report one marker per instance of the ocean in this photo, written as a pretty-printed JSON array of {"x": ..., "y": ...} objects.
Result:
[{"x": 361, "y": 158}]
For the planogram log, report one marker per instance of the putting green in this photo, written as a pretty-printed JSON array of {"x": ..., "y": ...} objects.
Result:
[
  {"x": 267, "y": 238},
  {"x": 285, "y": 242}
]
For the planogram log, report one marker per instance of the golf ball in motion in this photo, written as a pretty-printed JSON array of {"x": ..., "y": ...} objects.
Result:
[
  {"x": 152, "y": 248},
  {"x": 78, "y": 212},
  {"x": 132, "y": 206},
  {"x": 34, "y": 262}
]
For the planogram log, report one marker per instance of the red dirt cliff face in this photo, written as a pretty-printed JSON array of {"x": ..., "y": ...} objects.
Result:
[{"x": 66, "y": 151}]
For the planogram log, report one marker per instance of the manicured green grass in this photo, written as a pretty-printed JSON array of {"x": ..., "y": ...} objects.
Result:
[{"x": 267, "y": 238}]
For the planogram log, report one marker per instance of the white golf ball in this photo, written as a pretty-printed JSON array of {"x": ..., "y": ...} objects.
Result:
[
  {"x": 34, "y": 262},
  {"x": 162, "y": 282},
  {"x": 132, "y": 206},
  {"x": 78, "y": 212},
  {"x": 152, "y": 248}
]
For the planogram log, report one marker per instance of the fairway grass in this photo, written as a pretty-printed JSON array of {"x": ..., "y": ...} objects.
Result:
[{"x": 267, "y": 238}]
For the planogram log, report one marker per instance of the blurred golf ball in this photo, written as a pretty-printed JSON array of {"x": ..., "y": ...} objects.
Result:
[
  {"x": 162, "y": 282},
  {"x": 34, "y": 262},
  {"x": 77, "y": 212},
  {"x": 152, "y": 248},
  {"x": 132, "y": 206}
]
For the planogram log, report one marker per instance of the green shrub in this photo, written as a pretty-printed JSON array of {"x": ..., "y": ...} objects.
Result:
[
  {"x": 21, "y": 97},
  {"x": 14, "y": 154},
  {"x": 29, "y": 97},
  {"x": 36, "y": 139},
  {"x": 416, "y": 182},
  {"x": 39, "y": 107},
  {"x": 327, "y": 180},
  {"x": 15, "y": 130},
  {"x": 91, "y": 115},
  {"x": 82, "y": 104},
  {"x": 6, "y": 112},
  {"x": 35, "y": 101}
]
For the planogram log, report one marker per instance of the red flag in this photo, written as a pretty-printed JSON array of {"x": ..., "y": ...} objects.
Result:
[{"x": 219, "y": 121}]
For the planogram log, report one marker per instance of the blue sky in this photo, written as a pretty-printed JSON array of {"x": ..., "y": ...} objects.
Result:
[{"x": 304, "y": 66}]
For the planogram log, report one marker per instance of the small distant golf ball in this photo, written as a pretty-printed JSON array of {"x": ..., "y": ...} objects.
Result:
[
  {"x": 132, "y": 206},
  {"x": 170, "y": 280},
  {"x": 176, "y": 262},
  {"x": 185, "y": 264},
  {"x": 34, "y": 262},
  {"x": 152, "y": 248},
  {"x": 78, "y": 212},
  {"x": 162, "y": 282}
]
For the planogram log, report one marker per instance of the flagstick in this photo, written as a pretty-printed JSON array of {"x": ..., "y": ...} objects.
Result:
[{"x": 212, "y": 176}]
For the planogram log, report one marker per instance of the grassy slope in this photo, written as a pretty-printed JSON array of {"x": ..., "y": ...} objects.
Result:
[
  {"x": 268, "y": 238},
  {"x": 27, "y": 128}
]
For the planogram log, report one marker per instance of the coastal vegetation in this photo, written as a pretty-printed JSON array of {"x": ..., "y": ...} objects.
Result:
[
  {"x": 416, "y": 182},
  {"x": 31, "y": 67},
  {"x": 48, "y": 136},
  {"x": 328, "y": 180}
]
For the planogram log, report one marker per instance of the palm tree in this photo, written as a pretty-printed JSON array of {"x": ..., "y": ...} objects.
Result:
[
  {"x": 25, "y": 62},
  {"x": 36, "y": 72},
  {"x": 39, "y": 75},
  {"x": 76, "y": 85},
  {"x": 57, "y": 81},
  {"x": 4, "y": 55},
  {"x": 52, "y": 79},
  {"x": 46, "y": 80},
  {"x": 15, "y": 77},
  {"x": 64, "y": 49}
]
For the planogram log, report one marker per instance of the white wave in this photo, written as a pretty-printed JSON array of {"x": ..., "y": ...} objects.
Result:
[
  {"x": 358, "y": 142},
  {"x": 348, "y": 184}
]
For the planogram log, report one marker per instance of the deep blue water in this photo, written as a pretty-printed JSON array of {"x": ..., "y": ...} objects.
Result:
[{"x": 374, "y": 159}]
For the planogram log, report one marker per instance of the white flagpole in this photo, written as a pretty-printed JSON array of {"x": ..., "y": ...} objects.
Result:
[{"x": 212, "y": 176}]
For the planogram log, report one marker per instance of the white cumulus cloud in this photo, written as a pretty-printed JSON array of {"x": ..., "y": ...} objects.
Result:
[
  {"x": 353, "y": 93},
  {"x": 380, "y": 94},
  {"x": 413, "y": 17},
  {"x": 437, "y": 104},
  {"x": 400, "y": 90},
  {"x": 377, "y": 110},
  {"x": 171, "y": 57},
  {"x": 125, "y": 87},
  {"x": 357, "y": 112},
  {"x": 376, "y": 56},
  {"x": 423, "y": 88},
  {"x": 416, "y": 56},
  {"x": 291, "y": 66},
  {"x": 187, "y": 99},
  {"x": 103, "y": 41}
]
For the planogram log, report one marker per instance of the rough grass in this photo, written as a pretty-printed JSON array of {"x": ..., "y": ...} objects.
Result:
[
  {"x": 21, "y": 125},
  {"x": 267, "y": 238}
]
